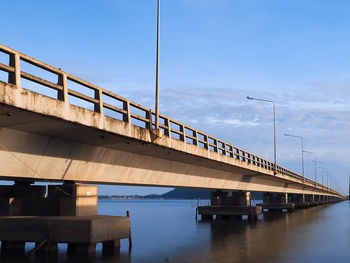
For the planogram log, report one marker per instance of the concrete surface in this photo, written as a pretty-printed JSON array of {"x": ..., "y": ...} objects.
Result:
[
  {"x": 64, "y": 229},
  {"x": 39, "y": 135}
]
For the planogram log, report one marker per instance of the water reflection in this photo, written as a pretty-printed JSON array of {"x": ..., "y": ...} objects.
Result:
[
  {"x": 167, "y": 230},
  {"x": 277, "y": 237}
]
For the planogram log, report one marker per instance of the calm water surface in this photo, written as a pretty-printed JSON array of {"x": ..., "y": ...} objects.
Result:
[{"x": 166, "y": 231}]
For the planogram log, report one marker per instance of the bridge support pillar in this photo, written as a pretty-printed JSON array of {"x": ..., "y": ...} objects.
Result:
[
  {"x": 276, "y": 202},
  {"x": 230, "y": 198},
  {"x": 310, "y": 199},
  {"x": 70, "y": 199},
  {"x": 299, "y": 200},
  {"x": 22, "y": 199},
  {"x": 110, "y": 246},
  {"x": 229, "y": 204},
  {"x": 31, "y": 216},
  {"x": 327, "y": 199},
  {"x": 317, "y": 199},
  {"x": 12, "y": 247},
  {"x": 81, "y": 248},
  {"x": 322, "y": 199}
]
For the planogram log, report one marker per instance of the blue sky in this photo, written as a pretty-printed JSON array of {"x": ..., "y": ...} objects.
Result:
[{"x": 213, "y": 55}]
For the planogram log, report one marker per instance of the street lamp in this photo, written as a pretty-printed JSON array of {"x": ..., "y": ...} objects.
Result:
[
  {"x": 157, "y": 68},
  {"x": 322, "y": 168},
  {"x": 274, "y": 129},
  {"x": 328, "y": 176},
  {"x": 315, "y": 165},
  {"x": 302, "y": 151}
]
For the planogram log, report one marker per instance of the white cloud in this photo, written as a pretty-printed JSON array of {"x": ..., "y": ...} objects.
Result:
[{"x": 234, "y": 122}]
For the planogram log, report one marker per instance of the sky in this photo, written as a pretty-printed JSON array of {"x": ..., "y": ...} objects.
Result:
[{"x": 213, "y": 54}]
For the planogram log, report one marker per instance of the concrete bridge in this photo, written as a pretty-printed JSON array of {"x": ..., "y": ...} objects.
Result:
[
  {"x": 107, "y": 139},
  {"x": 45, "y": 138}
]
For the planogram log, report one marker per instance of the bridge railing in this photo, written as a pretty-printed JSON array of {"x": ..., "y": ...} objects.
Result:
[{"x": 105, "y": 102}]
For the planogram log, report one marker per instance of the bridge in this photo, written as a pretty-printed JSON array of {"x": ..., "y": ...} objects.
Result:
[
  {"x": 39, "y": 133},
  {"x": 70, "y": 130}
]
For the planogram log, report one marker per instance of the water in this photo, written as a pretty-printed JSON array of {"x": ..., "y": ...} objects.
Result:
[{"x": 166, "y": 231}]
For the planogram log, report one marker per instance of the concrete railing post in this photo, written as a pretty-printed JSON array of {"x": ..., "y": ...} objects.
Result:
[
  {"x": 216, "y": 146},
  {"x": 63, "y": 94},
  {"x": 149, "y": 124},
  {"x": 195, "y": 133},
  {"x": 206, "y": 146},
  {"x": 15, "y": 77},
  {"x": 99, "y": 105},
  {"x": 183, "y": 135},
  {"x": 126, "y": 115},
  {"x": 249, "y": 158},
  {"x": 224, "y": 150},
  {"x": 168, "y": 128}
]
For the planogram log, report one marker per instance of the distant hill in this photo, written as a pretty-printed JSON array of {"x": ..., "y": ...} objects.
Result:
[
  {"x": 187, "y": 193},
  {"x": 193, "y": 193}
]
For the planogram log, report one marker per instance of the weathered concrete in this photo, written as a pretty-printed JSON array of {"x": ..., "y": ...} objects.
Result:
[
  {"x": 73, "y": 199},
  {"x": 289, "y": 207},
  {"x": 207, "y": 212},
  {"x": 80, "y": 232},
  {"x": 67, "y": 199},
  {"x": 230, "y": 198},
  {"x": 22, "y": 199},
  {"x": 111, "y": 246},
  {"x": 276, "y": 202},
  {"x": 12, "y": 246},
  {"x": 71, "y": 217},
  {"x": 299, "y": 200},
  {"x": 85, "y": 146},
  {"x": 310, "y": 199},
  {"x": 229, "y": 204},
  {"x": 48, "y": 247}
]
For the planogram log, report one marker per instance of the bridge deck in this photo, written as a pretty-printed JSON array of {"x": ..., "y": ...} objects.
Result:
[{"x": 84, "y": 144}]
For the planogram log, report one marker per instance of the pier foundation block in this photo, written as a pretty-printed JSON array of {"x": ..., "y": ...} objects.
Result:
[
  {"x": 229, "y": 205},
  {"x": 299, "y": 200},
  {"x": 67, "y": 215},
  {"x": 276, "y": 202},
  {"x": 12, "y": 246}
]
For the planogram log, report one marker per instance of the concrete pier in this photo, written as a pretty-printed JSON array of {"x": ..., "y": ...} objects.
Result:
[
  {"x": 67, "y": 214},
  {"x": 229, "y": 212},
  {"x": 276, "y": 202},
  {"x": 229, "y": 205},
  {"x": 310, "y": 199},
  {"x": 81, "y": 233},
  {"x": 299, "y": 200},
  {"x": 317, "y": 200}
]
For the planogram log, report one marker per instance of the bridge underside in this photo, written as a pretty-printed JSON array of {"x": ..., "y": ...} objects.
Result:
[
  {"x": 44, "y": 139},
  {"x": 40, "y": 148}
]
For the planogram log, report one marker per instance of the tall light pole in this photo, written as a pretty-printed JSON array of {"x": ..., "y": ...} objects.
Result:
[
  {"x": 329, "y": 177},
  {"x": 302, "y": 151},
  {"x": 322, "y": 168},
  {"x": 157, "y": 67},
  {"x": 315, "y": 165},
  {"x": 274, "y": 130},
  {"x": 349, "y": 185}
]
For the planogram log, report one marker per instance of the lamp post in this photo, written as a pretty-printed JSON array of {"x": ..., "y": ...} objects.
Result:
[
  {"x": 157, "y": 68},
  {"x": 315, "y": 165},
  {"x": 274, "y": 129},
  {"x": 329, "y": 177},
  {"x": 302, "y": 151},
  {"x": 322, "y": 168}
]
